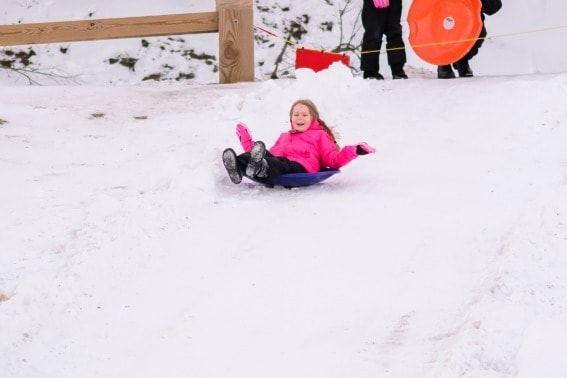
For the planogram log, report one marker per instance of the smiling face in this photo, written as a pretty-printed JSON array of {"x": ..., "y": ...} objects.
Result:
[{"x": 301, "y": 117}]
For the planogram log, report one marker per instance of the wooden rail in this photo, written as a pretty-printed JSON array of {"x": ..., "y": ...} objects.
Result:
[{"x": 233, "y": 20}]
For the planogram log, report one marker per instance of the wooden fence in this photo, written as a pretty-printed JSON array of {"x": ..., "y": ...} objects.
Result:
[{"x": 232, "y": 20}]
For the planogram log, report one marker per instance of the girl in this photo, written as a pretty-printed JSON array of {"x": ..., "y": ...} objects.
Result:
[{"x": 306, "y": 148}]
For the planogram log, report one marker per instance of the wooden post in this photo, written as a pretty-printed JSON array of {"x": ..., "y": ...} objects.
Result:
[{"x": 236, "y": 40}]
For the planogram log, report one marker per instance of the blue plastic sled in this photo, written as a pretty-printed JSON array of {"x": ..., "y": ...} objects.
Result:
[{"x": 292, "y": 180}]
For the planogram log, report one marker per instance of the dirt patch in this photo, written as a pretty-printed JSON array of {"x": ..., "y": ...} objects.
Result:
[{"x": 97, "y": 115}]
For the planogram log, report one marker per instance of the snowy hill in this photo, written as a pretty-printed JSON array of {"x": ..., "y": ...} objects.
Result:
[{"x": 125, "y": 251}]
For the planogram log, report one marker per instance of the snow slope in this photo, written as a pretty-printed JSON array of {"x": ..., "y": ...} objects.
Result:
[{"x": 126, "y": 251}]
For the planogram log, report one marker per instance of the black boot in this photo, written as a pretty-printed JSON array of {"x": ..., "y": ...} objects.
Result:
[
  {"x": 257, "y": 166},
  {"x": 230, "y": 161},
  {"x": 445, "y": 72},
  {"x": 372, "y": 75},
  {"x": 398, "y": 71},
  {"x": 463, "y": 68}
]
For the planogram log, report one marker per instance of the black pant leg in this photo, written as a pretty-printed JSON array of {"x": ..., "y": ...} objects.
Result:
[
  {"x": 374, "y": 23},
  {"x": 242, "y": 161},
  {"x": 474, "y": 50},
  {"x": 277, "y": 165},
  {"x": 394, "y": 39},
  {"x": 281, "y": 165}
]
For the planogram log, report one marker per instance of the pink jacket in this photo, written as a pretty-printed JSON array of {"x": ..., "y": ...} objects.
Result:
[{"x": 313, "y": 149}]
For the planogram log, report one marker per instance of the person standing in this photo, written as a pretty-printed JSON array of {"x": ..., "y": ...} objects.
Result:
[
  {"x": 379, "y": 18},
  {"x": 489, "y": 7}
]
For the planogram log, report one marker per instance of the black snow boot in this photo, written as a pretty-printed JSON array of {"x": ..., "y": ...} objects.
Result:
[
  {"x": 463, "y": 68},
  {"x": 445, "y": 72},
  {"x": 257, "y": 166},
  {"x": 230, "y": 161},
  {"x": 398, "y": 71},
  {"x": 375, "y": 75}
]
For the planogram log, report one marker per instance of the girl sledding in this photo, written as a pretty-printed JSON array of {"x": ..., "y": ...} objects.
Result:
[{"x": 309, "y": 147}]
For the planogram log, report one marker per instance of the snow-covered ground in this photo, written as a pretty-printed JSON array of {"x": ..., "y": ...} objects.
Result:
[{"x": 125, "y": 251}]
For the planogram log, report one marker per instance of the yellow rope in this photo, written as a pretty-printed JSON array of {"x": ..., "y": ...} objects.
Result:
[
  {"x": 531, "y": 31},
  {"x": 467, "y": 39},
  {"x": 275, "y": 35},
  {"x": 428, "y": 44}
]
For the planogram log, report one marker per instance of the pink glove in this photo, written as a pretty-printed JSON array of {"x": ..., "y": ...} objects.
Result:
[
  {"x": 244, "y": 136},
  {"x": 364, "y": 149},
  {"x": 381, "y": 3}
]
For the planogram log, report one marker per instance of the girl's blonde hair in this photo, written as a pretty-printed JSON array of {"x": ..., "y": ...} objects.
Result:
[{"x": 315, "y": 115}]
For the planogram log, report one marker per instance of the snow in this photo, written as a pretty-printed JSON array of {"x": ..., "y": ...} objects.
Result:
[{"x": 125, "y": 250}]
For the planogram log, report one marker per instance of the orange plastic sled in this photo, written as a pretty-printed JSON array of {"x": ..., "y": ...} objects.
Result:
[
  {"x": 443, "y": 31},
  {"x": 318, "y": 60}
]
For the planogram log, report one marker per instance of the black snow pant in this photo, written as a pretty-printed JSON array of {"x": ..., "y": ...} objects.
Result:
[
  {"x": 378, "y": 22},
  {"x": 474, "y": 50},
  {"x": 277, "y": 165}
]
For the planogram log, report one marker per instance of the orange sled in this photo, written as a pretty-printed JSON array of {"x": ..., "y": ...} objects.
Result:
[{"x": 443, "y": 31}]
